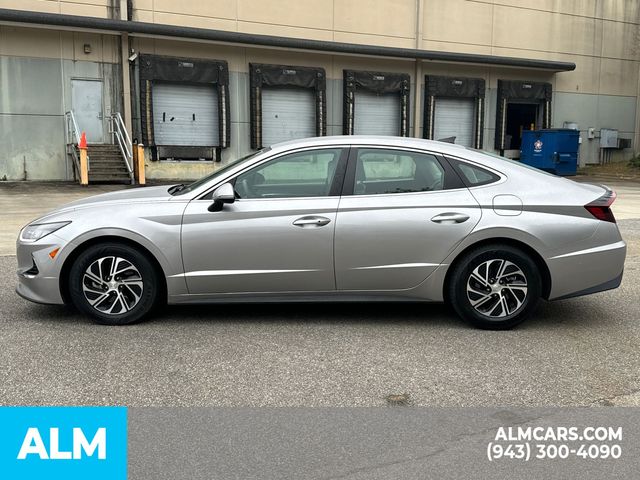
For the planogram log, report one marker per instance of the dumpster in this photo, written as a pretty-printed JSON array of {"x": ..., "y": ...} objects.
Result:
[{"x": 554, "y": 150}]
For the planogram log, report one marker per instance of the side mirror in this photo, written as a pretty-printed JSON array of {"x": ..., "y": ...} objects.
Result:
[{"x": 223, "y": 194}]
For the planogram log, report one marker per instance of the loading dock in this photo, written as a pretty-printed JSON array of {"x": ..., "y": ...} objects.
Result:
[
  {"x": 454, "y": 107},
  {"x": 521, "y": 106},
  {"x": 375, "y": 103},
  {"x": 185, "y": 115},
  {"x": 184, "y": 107},
  {"x": 286, "y": 102}
]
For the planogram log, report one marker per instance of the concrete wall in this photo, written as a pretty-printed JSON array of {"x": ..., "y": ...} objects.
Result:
[
  {"x": 36, "y": 68},
  {"x": 89, "y": 8},
  {"x": 600, "y": 36}
]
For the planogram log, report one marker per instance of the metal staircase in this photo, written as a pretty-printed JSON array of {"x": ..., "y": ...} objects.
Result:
[{"x": 106, "y": 163}]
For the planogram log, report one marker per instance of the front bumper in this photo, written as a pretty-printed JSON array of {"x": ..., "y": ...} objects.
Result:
[{"x": 38, "y": 273}]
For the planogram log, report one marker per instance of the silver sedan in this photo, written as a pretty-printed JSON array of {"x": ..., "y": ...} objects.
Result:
[{"x": 334, "y": 218}]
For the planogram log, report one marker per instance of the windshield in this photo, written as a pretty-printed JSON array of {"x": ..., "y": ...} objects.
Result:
[{"x": 182, "y": 189}]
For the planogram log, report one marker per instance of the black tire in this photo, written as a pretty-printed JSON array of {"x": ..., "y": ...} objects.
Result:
[
  {"x": 147, "y": 294},
  {"x": 462, "y": 288}
]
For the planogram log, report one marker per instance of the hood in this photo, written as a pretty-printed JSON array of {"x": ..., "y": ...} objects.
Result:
[
  {"x": 142, "y": 194},
  {"x": 137, "y": 195}
]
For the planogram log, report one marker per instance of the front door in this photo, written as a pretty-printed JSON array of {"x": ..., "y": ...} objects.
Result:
[
  {"x": 86, "y": 101},
  {"x": 278, "y": 234},
  {"x": 402, "y": 220}
]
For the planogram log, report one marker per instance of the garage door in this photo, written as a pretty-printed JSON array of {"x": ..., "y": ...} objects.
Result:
[
  {"x": 185, "y": 115},
  {"x": 376, "y": 114},
  {"x": 453, "y": 117},
  {"x": 287, "y": 114}
]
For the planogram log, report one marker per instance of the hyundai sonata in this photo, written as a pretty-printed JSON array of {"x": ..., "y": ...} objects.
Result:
[{"x": 345, "y": 218}]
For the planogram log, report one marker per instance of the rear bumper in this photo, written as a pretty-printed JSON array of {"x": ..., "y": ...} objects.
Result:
[
  {"x": 587, "y": 271},
  {"x": 610, "y": 285}
]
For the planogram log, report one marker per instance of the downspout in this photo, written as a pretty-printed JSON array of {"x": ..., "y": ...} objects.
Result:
[
  {"x": 636, "y": 139},
  {"x": 125, "y": 14},
  {"x": 417, "y": 96}
]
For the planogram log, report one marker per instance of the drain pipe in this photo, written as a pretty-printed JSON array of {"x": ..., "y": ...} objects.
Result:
[
  {"x": 417, "y": 95},
  {"x": 125, "y": 15}
]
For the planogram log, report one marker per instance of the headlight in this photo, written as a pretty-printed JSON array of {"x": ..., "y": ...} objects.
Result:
[{"x": 35, "y": 232}]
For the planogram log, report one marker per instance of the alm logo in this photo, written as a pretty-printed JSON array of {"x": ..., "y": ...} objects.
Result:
[
  {"x": 34, "y": 445},
  {"x": 537, "y": 146}
]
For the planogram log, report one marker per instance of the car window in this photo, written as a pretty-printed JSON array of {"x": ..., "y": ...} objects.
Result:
[
  {"x": 220, "y": 171},
  {"x": 474, "y": 176},
  {"x": 381, "y": 171},
  {"x": 302, "y": 174}
]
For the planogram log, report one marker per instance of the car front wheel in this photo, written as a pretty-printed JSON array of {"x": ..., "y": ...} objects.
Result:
[
  {"x": 495, "y": 287},
  {"x": 113, "y": 283}
]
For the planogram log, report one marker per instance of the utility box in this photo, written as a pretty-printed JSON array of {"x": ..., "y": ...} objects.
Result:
[
  {"x": 608, "y": 138},
  {"x": 554, "y": 150}
]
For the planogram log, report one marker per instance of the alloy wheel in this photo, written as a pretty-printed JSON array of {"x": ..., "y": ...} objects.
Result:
[
  {"x": 497, "y": 288},
  {"x": 112, "y": 285}
]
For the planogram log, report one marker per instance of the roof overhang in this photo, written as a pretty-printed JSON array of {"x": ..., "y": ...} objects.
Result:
[{"x": 115, "y": 26}]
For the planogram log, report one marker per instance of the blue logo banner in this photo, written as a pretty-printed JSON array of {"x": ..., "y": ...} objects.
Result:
[{"x": 65, "y": 443}]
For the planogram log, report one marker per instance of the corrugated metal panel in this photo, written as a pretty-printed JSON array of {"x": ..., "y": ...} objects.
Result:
[
  {"x": 185, "y": 115},
  {"x": 287, "y": 114},
  {"x": 376, "y": 114},
  {"x": 453, "y": 117}
]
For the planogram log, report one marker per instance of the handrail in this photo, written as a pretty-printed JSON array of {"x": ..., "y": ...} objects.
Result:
[
  {"x": 74, "y": 130},
  {"x": 72, "y": 137},
  {"x": 120, "y": 135}
]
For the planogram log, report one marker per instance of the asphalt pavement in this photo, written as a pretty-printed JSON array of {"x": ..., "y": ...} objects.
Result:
[{"x": 577, "y": 352}]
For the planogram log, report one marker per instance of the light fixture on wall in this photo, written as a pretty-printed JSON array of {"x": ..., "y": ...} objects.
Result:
[{"x": 87, "y": 48}]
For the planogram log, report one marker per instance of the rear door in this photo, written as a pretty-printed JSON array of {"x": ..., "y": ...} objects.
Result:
[{"x": 401, "y": 214}]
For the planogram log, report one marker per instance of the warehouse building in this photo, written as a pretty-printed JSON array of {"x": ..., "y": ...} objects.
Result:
[{"x": 203, "y": 83}]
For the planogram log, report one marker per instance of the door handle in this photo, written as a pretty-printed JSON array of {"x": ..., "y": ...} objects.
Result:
[
  {"x": 311, "y": 221},
  {"x": 450, "y": 217}
]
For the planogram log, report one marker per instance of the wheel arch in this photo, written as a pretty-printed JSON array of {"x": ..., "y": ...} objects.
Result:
[
  {"x": 545, "y": 274},
  {"x": 82, "y": 247}
]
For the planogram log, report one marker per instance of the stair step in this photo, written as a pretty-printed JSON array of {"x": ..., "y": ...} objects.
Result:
[
  {"x": 104, "y": 171},
  {"x": 106, "y": 160},
  {"x": 104, "y": 176}
]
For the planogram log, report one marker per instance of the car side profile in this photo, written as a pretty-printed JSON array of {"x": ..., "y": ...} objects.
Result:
[{"x": 348, "y": 218}]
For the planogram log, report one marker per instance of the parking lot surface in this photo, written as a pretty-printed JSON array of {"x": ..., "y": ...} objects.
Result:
[{"x": 583, "y": 351}]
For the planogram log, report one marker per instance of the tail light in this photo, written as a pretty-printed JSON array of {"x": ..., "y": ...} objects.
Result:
[{"x": 601, "y": 208}]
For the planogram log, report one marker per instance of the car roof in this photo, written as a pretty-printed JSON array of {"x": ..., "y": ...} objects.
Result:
[{"x": 433, "y": 145}]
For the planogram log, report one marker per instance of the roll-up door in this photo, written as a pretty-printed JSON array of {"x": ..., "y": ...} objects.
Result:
[
  {"x": 453, "y": 117},
  {"x": 185, "y": 115},
  {"x": 287, "y": 114},
  {"x": 376, "y": 114}
]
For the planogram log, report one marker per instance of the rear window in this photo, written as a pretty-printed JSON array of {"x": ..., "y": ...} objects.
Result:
[
  {"x": 472, "y": 175},
  {"x": 381, "y": 171}
]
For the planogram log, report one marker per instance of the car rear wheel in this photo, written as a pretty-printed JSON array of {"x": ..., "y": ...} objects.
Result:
[
  {"x": 113, "y": 283},
  {"x": 495, "y": 287}
]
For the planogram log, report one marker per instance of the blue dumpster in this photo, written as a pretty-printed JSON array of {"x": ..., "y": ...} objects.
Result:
[{"x": 554, "y": 150}]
